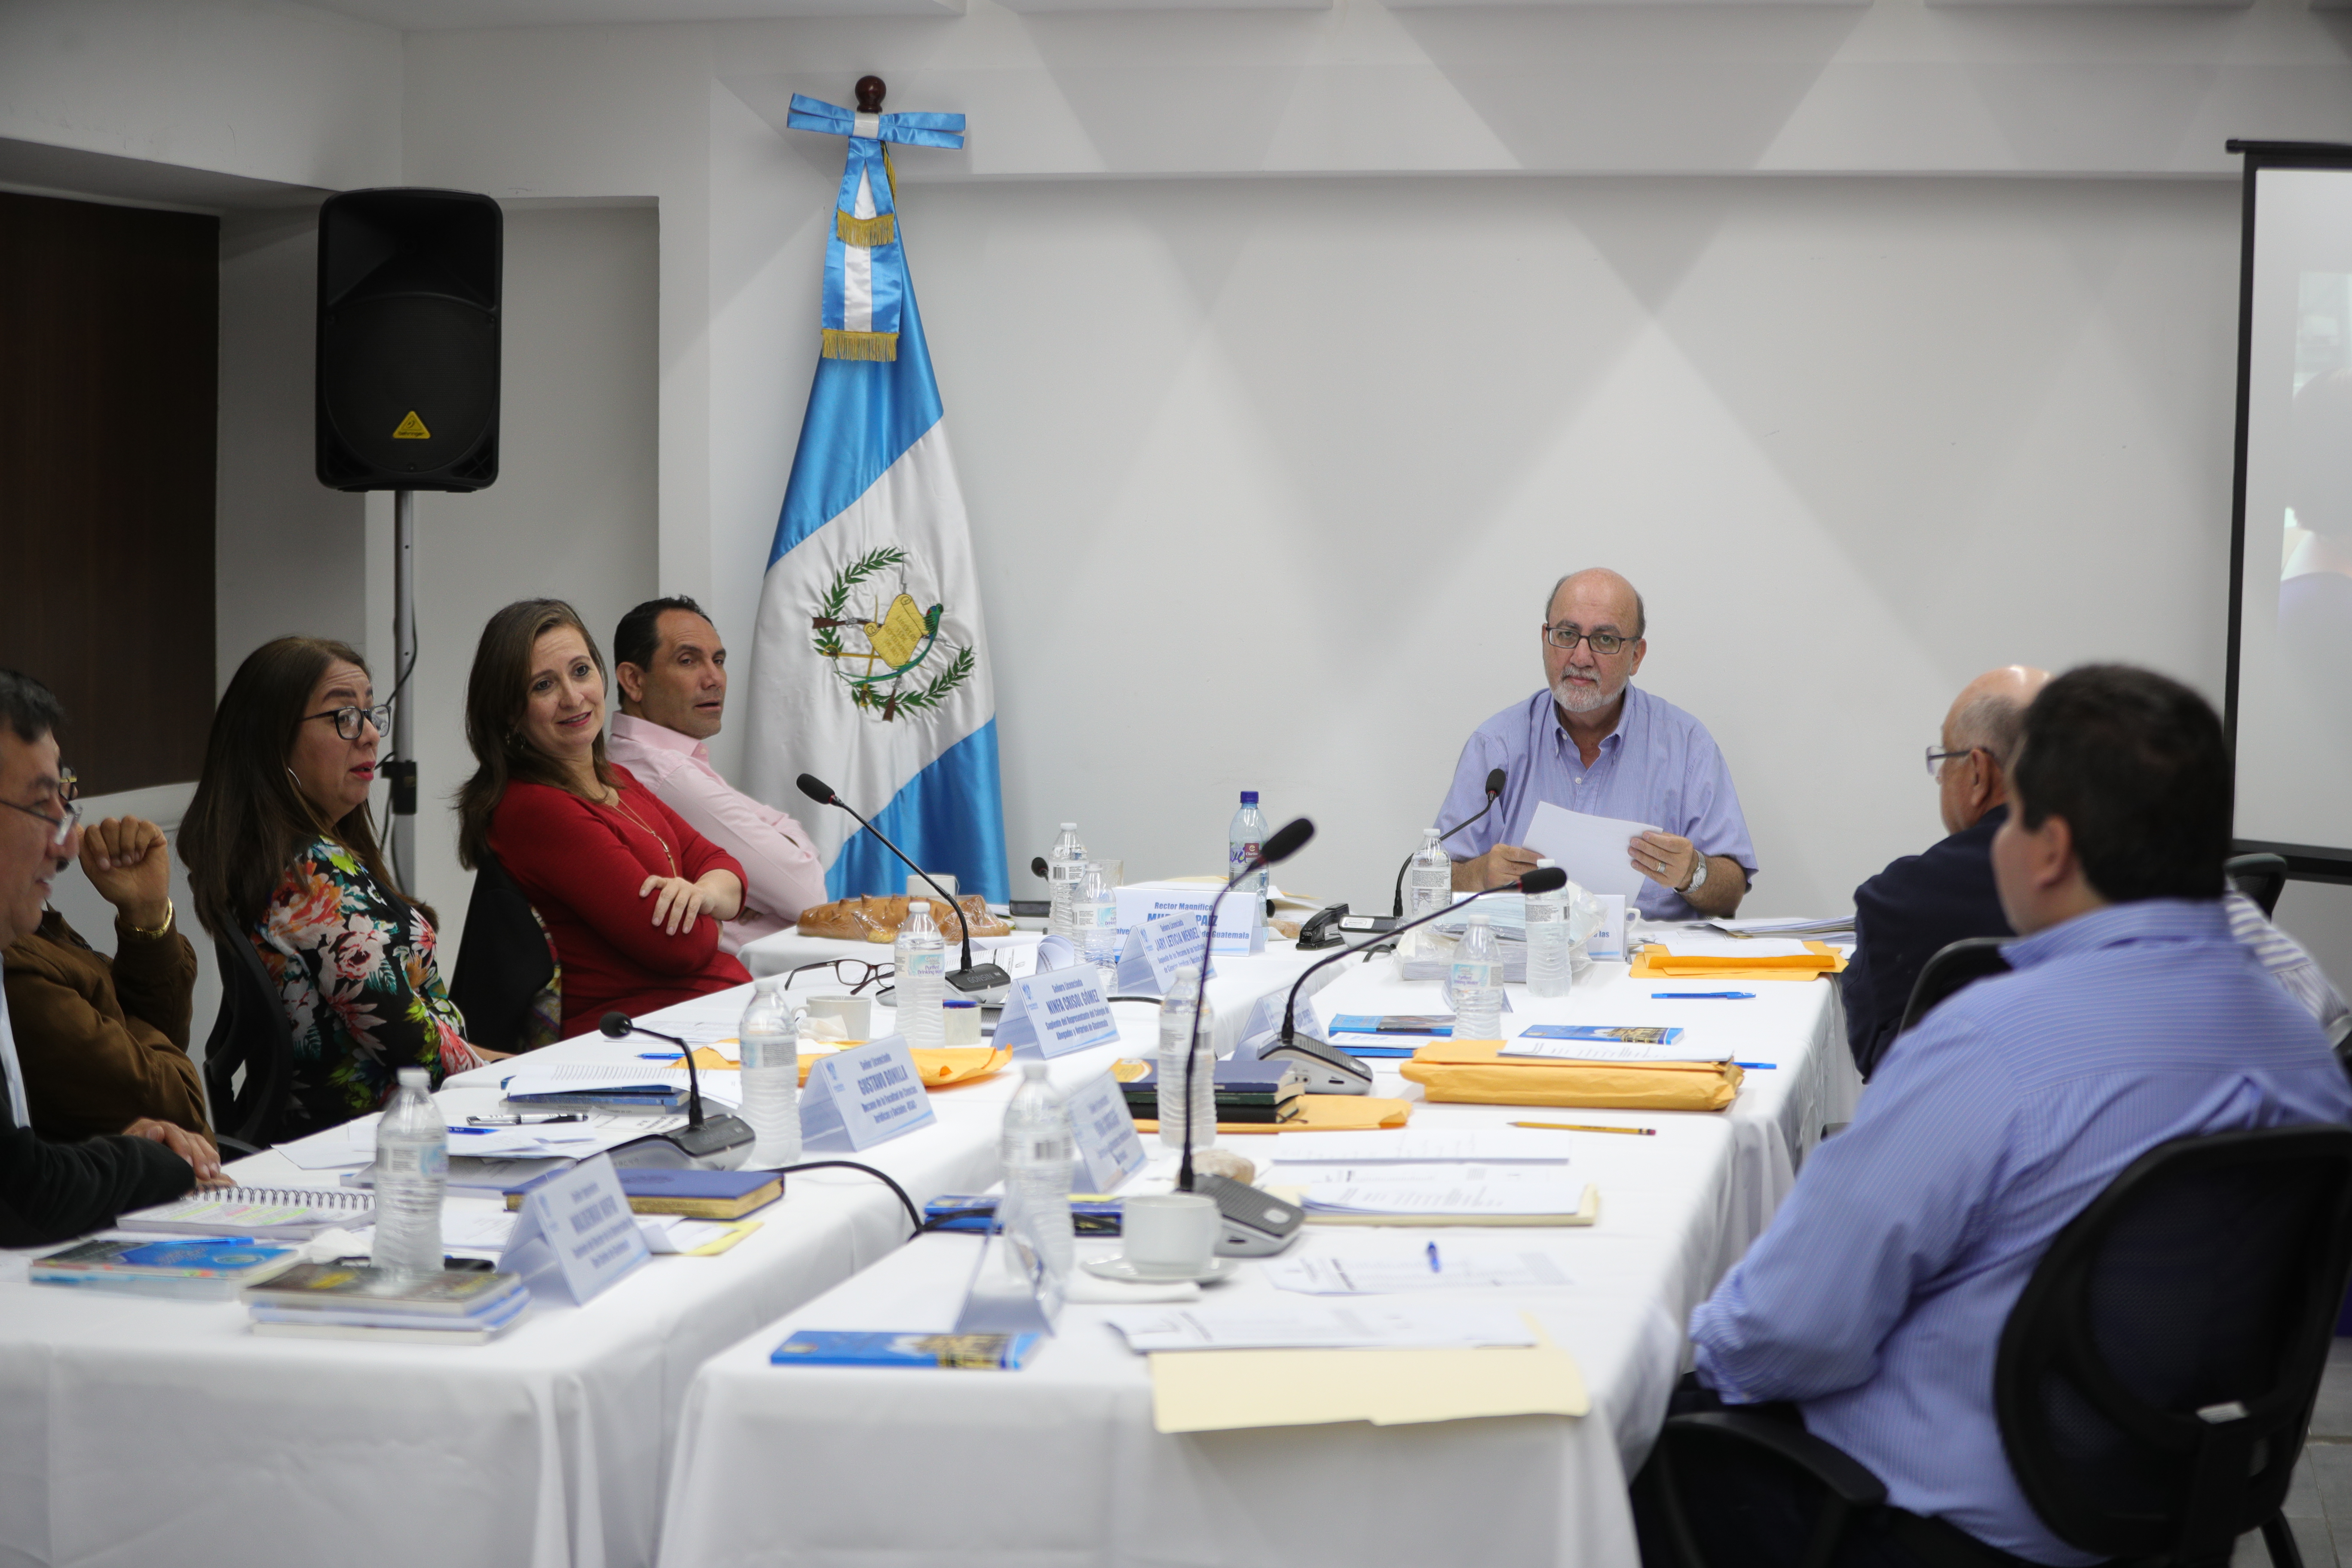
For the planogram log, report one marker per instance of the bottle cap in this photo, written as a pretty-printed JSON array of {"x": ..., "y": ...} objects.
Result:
[
  {"x": 1249, "y": 797},
  {"x": 1543, "y": 865},
  {"x": 1069, "y": 827},
  {"x": 1478, "y": 917},
  {"x": 416, "y": 1077}
]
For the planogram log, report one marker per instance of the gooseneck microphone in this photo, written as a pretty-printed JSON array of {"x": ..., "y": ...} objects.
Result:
[
  {"x": 1495, "y": 781},
  {"x": 698, "y": 1138},
  {"x": 1279, "y": 846},
  {"x": 1542, "y": 879},
  {"x": 971, "y": 977}
]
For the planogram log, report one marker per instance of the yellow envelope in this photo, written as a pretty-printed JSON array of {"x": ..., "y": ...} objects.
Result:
[
  {"x": 940, "y": 1067},
  {"x": 1321, "y": 1114},
  {"x": 1476, "y": 1072},
  {"x": 1225, "y": 1391},
  {"x": 1658, "y": 962}
]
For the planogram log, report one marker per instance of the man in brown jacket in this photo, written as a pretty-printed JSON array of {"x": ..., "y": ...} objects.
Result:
[{"x": 103, "y": 1042}]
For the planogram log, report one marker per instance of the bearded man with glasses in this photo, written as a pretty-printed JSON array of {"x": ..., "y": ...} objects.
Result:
[{"x": 1593, "y": 741}]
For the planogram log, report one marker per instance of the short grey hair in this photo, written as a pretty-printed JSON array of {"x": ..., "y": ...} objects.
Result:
[
  {"x": 1641, "y": 611},
  {"x": 1994, "y": 722}
]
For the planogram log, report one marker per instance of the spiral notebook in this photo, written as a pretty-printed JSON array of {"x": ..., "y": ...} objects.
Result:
[{"x": 277, "y": 1214}]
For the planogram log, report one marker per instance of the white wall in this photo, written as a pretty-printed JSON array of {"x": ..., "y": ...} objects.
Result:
[
  {"x": 572, "y": 515},
  {"x": 1269, "y": 479}
]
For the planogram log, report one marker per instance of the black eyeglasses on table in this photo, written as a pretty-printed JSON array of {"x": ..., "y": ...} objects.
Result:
[{"x": 855, "y": 973}]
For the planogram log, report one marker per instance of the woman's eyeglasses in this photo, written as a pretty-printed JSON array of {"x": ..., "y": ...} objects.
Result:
[
  {"x": 855, "y": 973},
  {"x": 348, "y": 719}
]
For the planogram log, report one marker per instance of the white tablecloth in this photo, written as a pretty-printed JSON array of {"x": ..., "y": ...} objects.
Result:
[
  {"x": 1059, "y": 1464},
  {"x": 143, "y": 1431}
]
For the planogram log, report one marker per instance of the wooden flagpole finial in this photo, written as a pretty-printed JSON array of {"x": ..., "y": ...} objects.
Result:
[{"x": 870, "y": 94}]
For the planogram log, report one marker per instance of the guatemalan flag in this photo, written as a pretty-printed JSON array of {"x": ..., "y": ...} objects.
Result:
[{"x": 870, "y": 662}]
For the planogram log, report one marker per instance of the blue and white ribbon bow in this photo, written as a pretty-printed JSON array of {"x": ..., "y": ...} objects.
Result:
[{"x": 865, "y": 270}]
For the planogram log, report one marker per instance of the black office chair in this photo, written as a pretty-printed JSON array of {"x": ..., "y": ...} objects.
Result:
[
  {"x": 508, "y": 981},
  {"x": 249, "y": 1055},
  {"x": 1956, "y": 965},
  {"x": 2262, "y": 878},
  {"x": 2155, "y": 1379}
]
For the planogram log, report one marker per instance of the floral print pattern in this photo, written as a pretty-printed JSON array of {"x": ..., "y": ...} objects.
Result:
[{"x": 355, "y": 973}]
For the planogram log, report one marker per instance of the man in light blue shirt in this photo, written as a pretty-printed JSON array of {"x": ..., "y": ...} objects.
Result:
[
  {"x": 1594, "y": 742},
  {"x": 1876, "y": 1300}
]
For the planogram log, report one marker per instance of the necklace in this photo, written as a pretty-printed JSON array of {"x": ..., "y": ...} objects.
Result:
[{"x": 621, "y": 805}]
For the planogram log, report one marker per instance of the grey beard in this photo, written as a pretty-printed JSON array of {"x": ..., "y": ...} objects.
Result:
[{"x": 1576, "y": 702}]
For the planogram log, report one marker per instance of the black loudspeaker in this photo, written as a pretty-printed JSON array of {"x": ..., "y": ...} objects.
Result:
[{"x": 408, "y": 340}]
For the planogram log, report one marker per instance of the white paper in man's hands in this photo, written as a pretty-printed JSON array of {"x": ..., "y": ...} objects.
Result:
[{"x": 1591, "y": 849}]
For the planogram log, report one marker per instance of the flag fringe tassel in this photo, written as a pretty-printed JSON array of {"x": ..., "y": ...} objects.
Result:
[
  {"x": 880, "y": 229},
  {"x": 840, "y": 344}
]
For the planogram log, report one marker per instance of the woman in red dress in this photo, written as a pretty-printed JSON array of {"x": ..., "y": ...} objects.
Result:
[{"x": 631, "y": 896}]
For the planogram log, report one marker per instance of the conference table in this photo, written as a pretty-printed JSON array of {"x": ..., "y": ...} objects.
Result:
[
  {"x": 1059, "y": 1462},
  {"x": 133, "y": 1429}
]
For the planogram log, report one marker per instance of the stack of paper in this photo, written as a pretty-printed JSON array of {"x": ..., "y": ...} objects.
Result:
[
  {"x": 1788, "y": 925},
  {"x": 1304, "y": 1325},
  {"x": 1447, "y": 1203},
  {"x": 1431, "y": 1268},
  {"x": 1418, "y": 1146}
]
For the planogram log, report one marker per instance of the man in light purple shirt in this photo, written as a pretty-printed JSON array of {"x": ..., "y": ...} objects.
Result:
[
  {"x": 1592, "y": 742},
  {"x": 672, "y": 670}
]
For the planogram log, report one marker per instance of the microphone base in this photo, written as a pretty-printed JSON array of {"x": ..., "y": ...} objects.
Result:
[
  {"x": 720, "y": 1143},
  {"x": 986, "y": 984}
]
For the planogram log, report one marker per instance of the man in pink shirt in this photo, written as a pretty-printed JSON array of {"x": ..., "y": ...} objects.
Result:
[{"x": 672, "y": 670}]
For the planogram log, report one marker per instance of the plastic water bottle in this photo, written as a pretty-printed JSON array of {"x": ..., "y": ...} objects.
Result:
[
  {"x": 1548, "y": 945},
  {"x": 1242, "y": 841},
  {"x": 1096, "y": 919},
  {"x": 1039, "y": 1150},
  {"x": 1429, "y": 886},
  {"x": 411, "y": 1173},
  {"x": 1477, "y": 983},
  {"x": 1176, "y": 1010},
  {"x": 769, "y": 1037},
  {"x": 921, "y": 981},
  {"x": 1063, "y": 865}
]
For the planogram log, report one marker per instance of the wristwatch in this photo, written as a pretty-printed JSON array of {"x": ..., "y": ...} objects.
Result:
[{"x": 1698, "y": 879}]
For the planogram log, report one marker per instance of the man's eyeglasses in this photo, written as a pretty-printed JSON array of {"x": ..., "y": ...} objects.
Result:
[
  {"x": 1565, "y": 634},
  {"x": 1937, "y": 757},
  {"x": 67, "y": 793},
  {"x": 855, "y": 973},
  {"x": 347, "y": 719}
]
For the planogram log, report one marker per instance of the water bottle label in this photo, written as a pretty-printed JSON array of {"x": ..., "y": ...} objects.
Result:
[
  {"x": 769, "y": 1050},
  {"x": 432, "y": 1161},
  {"x": 1473, "y": 974},
  {"x": 919, "y": 964},
  {"x": 1241, "y": 855}
]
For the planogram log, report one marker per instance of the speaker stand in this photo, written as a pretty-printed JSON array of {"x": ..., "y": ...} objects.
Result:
[{"x": 402, "y": 770}]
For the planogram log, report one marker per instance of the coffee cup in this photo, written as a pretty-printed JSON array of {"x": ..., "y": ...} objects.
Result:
[{"x": 1168, "y": 1236}]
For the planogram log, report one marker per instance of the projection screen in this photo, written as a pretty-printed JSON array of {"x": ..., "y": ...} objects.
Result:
[{"x": 2290, "y": 675}]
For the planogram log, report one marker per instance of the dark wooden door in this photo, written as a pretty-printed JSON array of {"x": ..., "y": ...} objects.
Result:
[{"x": 109, "y": 340}]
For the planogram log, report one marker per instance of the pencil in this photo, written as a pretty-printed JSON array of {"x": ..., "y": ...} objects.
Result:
[{"x": 1578, "y": 1127}]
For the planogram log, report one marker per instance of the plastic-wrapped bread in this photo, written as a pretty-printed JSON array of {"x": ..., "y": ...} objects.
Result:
[{"x": 878, "y": 919}]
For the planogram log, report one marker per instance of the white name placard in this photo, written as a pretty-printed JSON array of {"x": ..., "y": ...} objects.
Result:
[
  {"x": 576, "y": 1234},
  {"x": 1156, "y": 949},
  {"x": 1608, "y": 941},
  {"x": 1108, "y": 1145},
  {"x": 1241, "y": 925},
  {"x": 1060, "y": 1011},
  {"x": 1136, "y": 905},
  {"x": 863, "y": 1096}
]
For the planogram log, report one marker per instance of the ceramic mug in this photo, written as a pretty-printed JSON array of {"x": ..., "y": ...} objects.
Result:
[{"x": 1171, "y": 1236}]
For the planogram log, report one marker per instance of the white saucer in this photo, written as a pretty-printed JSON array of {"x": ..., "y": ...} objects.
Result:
[{"x": 1219, "y": 1271}]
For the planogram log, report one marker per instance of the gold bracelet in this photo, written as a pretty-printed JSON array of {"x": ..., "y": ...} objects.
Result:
[{"x": 159, "y": 930}]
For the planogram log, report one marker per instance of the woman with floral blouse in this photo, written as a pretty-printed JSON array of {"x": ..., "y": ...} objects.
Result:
[{"x": 281, "y": 852}]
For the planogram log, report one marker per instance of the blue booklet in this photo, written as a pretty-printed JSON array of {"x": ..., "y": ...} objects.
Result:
[
  {"x": 850, "y": 1347},
  {"x": 1623, "y": 1035},
  {"x": 202, "y": 1270}
]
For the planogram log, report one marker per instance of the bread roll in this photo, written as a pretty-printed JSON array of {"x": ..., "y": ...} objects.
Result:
[{"x": 878, "y": 919}]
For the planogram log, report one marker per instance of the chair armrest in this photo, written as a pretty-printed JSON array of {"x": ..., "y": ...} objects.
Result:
[
  {"x": 1846, "y": 1478},
  {"x": 237, "y": 1146}
]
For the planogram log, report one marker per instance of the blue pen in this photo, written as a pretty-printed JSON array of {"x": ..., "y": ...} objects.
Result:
[
  {"x": 1433, "y": 1266},
  {"x": 1702, "y": 995},
  {"x": 474, "y": 1131},
  {"x": 1757, "y": 1066}
]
